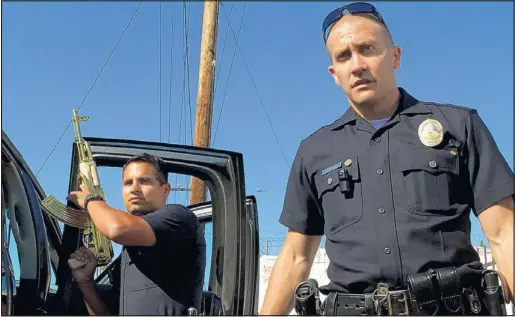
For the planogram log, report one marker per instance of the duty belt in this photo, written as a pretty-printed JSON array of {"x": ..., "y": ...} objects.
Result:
[
  {"x": 381, "y": 302},
  {"x": 466, "y": 290},
  {"x": 435, "y": 292}
]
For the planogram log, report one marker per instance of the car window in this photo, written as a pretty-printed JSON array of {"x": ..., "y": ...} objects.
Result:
[
  {"x": 7, "y": 233},
  {"x": 208, "y": 229}
]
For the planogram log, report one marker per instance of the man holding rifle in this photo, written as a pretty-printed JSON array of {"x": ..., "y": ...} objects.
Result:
[
  {"x": 391, "y": 184},
  {"x": 163, "y": 258}
]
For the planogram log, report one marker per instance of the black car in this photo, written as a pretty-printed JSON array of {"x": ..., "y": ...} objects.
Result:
[{"x": 44, "y": 245}]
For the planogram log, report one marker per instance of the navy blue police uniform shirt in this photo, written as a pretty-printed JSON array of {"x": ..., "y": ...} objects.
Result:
[
  {"x": 388, "y": 205},
  {"x": 167, "y": 278}
]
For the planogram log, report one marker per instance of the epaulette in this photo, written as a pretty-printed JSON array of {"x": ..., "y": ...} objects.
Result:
[
  {"x": 321, "y": 128},
  {"x": 448, "y": 105}
]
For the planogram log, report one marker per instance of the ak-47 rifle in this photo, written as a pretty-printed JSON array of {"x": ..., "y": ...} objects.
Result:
[{"x": 88, "y": 177}]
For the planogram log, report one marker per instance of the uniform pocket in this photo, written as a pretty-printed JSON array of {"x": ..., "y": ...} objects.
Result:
[
  {"x": 429, "y": 175},
  {"x": 341, "y": 207}
]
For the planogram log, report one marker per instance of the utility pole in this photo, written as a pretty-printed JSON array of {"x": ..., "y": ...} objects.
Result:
[{"x": 205, "y": 96}]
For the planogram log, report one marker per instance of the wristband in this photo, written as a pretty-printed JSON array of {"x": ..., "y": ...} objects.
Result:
[{"x": 91, "y": 197}]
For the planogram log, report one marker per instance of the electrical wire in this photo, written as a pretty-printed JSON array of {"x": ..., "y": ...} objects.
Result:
[
  {"x": 217, "y": 74},
  {"x": 258, "y": 95},
  {"x": 93, "y": 85},
  {"x": 230, "y": 70},
  {"x": 171, "y": 74},
  {"x": 160, "y": 68}
]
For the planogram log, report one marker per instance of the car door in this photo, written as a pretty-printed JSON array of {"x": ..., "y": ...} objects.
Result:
[
  {"x": 30, "y": 254},
  {"x": 247, "y": 282},
  {"x": 234, "y": 250}
]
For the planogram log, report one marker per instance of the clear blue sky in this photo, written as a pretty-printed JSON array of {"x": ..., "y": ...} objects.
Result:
[{"x": 460, "y": 53}]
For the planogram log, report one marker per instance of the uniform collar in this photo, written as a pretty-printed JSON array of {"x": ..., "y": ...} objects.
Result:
[{"x": 407, "y": 105}]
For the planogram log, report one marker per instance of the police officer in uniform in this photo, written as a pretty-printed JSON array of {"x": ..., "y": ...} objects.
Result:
[
  {"x": 391, "y": 184},
  {"x": 161, "y": 267}
]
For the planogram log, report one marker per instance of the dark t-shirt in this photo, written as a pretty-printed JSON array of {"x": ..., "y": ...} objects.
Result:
[{"x": 167, "y": 278}]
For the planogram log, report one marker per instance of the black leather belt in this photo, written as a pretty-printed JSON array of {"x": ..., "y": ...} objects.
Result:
[
  {"x": 443, "y": 291},
  {"x": 380, "y": 302}
]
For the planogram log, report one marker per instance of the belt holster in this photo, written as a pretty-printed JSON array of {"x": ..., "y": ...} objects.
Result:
[
  {"x": 445, "y": 291},
  {"x": 436, "y": 292},
  {"x": 495, "y": 296},
  {"x": 307, "y": 298}
]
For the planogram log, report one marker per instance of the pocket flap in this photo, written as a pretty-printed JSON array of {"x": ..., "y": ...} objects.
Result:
[{"x": 429, "y": 160}]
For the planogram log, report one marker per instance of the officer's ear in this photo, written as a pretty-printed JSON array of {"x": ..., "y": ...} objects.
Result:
[
  {"x": 396, "y": 57},
  {"x": 333, "y": 73}
]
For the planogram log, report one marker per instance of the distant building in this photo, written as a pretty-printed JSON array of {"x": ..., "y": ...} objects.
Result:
[{"x": 319, "y": 270}]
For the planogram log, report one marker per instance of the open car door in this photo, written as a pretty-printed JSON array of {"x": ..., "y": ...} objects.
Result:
[
  {"x": 247, "y": 281},
  {"x": 30, "y": 238},
  {"x": 234, "y": 251}
]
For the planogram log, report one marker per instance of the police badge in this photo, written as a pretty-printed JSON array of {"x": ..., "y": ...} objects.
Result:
[{"x": 430, "y": 132}]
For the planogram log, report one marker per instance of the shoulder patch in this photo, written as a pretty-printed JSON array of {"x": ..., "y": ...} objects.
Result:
[{"x": 448, "y": 105}]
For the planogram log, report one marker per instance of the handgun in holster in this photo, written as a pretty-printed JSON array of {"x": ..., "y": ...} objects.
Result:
[
  {"x": 495, "y": 293},
  {"x": 307, "y": 298}
]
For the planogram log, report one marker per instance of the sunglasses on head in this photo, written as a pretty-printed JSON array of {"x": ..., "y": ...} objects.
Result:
[{"x": 352, "y": 8}]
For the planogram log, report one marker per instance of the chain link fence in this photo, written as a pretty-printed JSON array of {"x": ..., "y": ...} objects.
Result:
[{"x": 272, "y": 245}]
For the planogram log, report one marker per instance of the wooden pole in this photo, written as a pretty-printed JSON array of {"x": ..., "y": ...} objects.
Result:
[{"x": 204, "y": 112}]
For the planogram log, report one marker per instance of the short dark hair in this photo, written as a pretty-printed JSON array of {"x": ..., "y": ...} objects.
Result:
[{"x": 157, "y": 163}]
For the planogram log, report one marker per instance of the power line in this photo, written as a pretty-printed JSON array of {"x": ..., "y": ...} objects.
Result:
[
  {"x": 187, "y": 65},
  {"x": 186, "y": 27},
  {"x": 188, "y": 179},
  {"x": 230, "y": 70},
  {"x": 160, "y": 67},
  {"x": 214, "y": 81},
  {"x": 93, "y": 85},
  {"x": 183, "y": 90},
  {"x": 258, "y": 95},
  {"x": 171, "y": 74},
  {"x": 217, "y": 74}
]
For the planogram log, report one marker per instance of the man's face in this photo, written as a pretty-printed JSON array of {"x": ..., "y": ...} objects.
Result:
[
  {"x": 363, "y": 59},
  {"x": 142, "y": 192}
]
